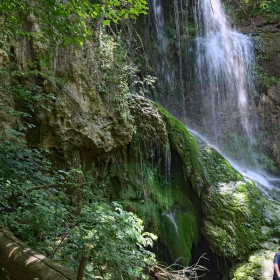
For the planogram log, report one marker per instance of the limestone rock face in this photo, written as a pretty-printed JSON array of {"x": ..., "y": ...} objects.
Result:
[
  {"x": 6, "y": 100},
  {"x": 269, "y": 108},
  {"x": 265, "y": 29},
  {"x": 149, "y": 123},
  {"x": 87, "y": 108},
  {"x": 80, "y": 114}
]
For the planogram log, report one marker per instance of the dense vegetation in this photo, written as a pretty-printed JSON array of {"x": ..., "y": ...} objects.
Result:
[
  {"x": 261, "y": 7},
  {"x": 61, "y": 22},
  {"x": 43, "y": 211},
  {"x": 55, "y": 211}
]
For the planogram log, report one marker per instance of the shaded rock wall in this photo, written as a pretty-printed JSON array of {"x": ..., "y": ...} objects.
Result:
[
  {"x": 265, "y": 30},
  {"x": 87, "y": 109}
]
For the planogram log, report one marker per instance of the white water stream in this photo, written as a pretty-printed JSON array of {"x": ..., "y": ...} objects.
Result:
[
  {"x": 225, "y": 59},
  {"x": 224, "y": 81},
  {"x": 171, "y": 216},
  {"x": 269, "y": 186},
  {"x": 224, "y": 63},
  {"x": 163, "y": 65}
]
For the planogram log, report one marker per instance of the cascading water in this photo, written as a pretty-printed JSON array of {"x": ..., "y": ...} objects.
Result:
[
  {"x": 224, "y": 63},
  {"x": 163, "y": 64},
  {"x": 214, "y": 74},
  {"x": 224, "y": 70},
  {"x": 166, "y": 45},
  {"x": 178, "y": 40},
  {"x": 215, "y": 98},
  {"x": 205, "y": 76},
  {"x": 171, "y": 216}
]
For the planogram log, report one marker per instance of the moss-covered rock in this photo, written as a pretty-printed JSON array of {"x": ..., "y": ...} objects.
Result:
[
  {"x": 240, "y": 223},
  {"x": 234, "y": 220},
  {"x": 185, "y": 145},
  {"x": 160, "y": 176},
  {"x": 258, "y": 267},
  {"x": 183, "y": 188},
  {"x": 181, "y": 229}
]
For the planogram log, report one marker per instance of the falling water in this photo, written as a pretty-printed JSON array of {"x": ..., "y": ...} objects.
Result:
[
  {"x": 224, "y": 63},
  {"x": 178, "y": 43},
  {"x": 163, "y": 65},
  {"x": 171, "y": 216}
]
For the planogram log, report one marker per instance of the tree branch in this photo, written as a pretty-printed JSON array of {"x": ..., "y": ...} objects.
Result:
[
  {"x": 82, "y": 267},
  {"x": 160, "y": 271}
]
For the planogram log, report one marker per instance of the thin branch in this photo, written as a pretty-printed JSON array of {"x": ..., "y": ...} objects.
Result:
[
  {"x": 172, "y": 273},
  {"x": 112, "y": 31},
  {"x": 130, "y": 26}
]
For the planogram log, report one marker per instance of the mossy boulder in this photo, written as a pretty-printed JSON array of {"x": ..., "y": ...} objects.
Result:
[
  {"x": 259, "y": 267},
  {"x": 240, "y": 223},
  {"x": 234, "y": 220}
]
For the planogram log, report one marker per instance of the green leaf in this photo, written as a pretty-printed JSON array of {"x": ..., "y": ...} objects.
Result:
[{"x": 106, "y": 22}]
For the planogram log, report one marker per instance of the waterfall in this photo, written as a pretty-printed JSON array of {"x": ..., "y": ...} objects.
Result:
[
  {"x": 163, "y": 65},
  {"x": 224, "y": 63},
  {"x": 179, "y": 50},
  {"x": 205, "y": 70}
]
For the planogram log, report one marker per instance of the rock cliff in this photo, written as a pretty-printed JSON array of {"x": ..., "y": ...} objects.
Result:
[{"x": 265, "y": 30}]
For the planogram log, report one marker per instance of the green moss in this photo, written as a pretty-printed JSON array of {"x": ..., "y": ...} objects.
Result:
[
  {"x": 184, "y": 176},
  {"x": 259, "y": 263},
  {"x": 181, "y": 230},
  {"x": 170, "y": 173},
  {"x": 163, "y": 195},
  {"x": 153, "y": 196},
  {"x": 216, "y": 167},
  {"x": 235, "y": 210},
  {"x": 236, "y": 230},
  {"x": 185, "y": 145}
]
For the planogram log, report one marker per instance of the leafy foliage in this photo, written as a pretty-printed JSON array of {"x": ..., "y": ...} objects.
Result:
[
  {"x": 21, "y": 164},
  {"x": 56, "y": 212},
  {"x": 41, "y": 210},
  {"x": 264, "y": 7},
  {"x": 109, "y": 236},
  {"x": 60, "y": 21}
]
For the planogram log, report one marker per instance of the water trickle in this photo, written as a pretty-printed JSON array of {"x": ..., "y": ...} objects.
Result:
[
  {"x": 163, "y": 65},
  {"x": 167, "y": 166},
  {"x": 224, "y": 63},
  {"x": 171, "y": 216},
  {"x": 178, "y": 45}
]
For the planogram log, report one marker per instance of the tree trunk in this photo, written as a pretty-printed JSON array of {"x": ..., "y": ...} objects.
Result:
[{"x": 22, "y": 263}]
